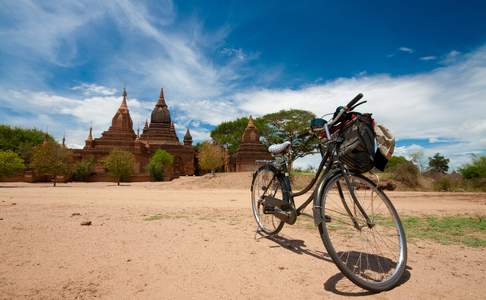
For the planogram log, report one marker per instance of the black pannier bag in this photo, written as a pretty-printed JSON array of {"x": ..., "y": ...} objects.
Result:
[{"x": 357, "y": 150}]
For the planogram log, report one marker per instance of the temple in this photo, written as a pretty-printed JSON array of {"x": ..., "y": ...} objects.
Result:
[
  {"x": 250, "y": 150},
  {"x": 158, "y": 134}
]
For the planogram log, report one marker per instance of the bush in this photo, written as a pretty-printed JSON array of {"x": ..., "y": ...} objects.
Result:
[
  {"x": 476, "y": 169},
  {"x": 395, "y": 161},
  {"x": 21, "y": 141},
  {"x": 446, "y": 184},
  {"x": 474, "y": 174},
  {"x": 119, "y": 164},
  {"x": 403, "y": 170},
  {"x": 10, "y": 163},
  {"x": 51, "y": 159},
  {"x": 210, "y": 157},
  {"x": 84, "y": 169},
  {"x": 158, "y": 162},
  {"x": 406, "y": 173}
]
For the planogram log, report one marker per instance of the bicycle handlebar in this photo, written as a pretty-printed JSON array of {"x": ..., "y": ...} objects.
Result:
[
  {"x": 346, "y": 109},
  {"x": 354, "y": 101}
]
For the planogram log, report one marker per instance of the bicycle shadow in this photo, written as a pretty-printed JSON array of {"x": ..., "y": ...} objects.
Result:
[
  {"x": 346, "y": 288},
  {"x": 298, "y": 247},
  {"x": 334, "y": 284}
]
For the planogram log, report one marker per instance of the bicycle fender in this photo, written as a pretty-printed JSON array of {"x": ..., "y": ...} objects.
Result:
[
  {"x": 316, "y": 208},
  {"x": 286, "y": 191}
]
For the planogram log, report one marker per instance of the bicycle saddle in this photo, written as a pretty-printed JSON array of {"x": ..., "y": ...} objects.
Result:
[{"x": 279, "y": 148}]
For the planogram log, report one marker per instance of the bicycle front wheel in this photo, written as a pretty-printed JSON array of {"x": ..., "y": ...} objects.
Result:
[{"x": 371, "y": 252}]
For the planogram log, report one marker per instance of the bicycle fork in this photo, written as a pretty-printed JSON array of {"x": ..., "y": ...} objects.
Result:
[
  {"x": 355, "y": 201},
  {"x": 318, "y": 217}
]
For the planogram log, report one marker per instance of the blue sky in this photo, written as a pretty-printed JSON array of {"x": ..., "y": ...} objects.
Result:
[{"x": 421, "y": 65}]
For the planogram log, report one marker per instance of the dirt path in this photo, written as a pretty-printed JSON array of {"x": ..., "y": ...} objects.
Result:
[{"x": 164, "y": 241}]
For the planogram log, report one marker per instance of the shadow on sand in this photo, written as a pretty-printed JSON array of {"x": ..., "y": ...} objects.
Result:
[
  {"x": 298, "y": 247},
  {"x": 335, "y": 283}
]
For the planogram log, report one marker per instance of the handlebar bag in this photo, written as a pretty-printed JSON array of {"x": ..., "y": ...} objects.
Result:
[{"x": 357, "y": 150}]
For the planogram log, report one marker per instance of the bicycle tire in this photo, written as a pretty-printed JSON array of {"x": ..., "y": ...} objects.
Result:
[
  {"x": 345, "y": 267},
  {"x": 279, "y": 184}
]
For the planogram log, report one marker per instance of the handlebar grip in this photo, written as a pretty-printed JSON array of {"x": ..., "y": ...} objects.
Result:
[{"x": 354, "y": 101}]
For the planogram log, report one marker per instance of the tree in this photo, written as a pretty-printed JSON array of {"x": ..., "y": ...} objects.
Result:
[
  {"x": 10, "y": 163},
  {"x": 52, "y": 160},
  {"x": 21, "y": 141},
  {"x": 287, "y": 125},
  {"x": 403, "y": 170},
  {"x": 210, "y": 157},
  {"x": 229, "y": 133},
  {"x": 158, "y": 162},
  {"x": 84, "y": 169},
  {"x": 417, "y": 158},
  {"x": 119, "y": 164},
  {"x": 476, "y": 169},
  {"x": 439, "y": 163},
  {"x": 394, "y": 162}
]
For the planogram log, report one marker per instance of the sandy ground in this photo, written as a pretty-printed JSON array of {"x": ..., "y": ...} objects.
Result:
[{"x": 201, "y": 245}]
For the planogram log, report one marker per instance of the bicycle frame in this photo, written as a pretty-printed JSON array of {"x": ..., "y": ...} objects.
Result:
[{"x": 329, "y": 166}]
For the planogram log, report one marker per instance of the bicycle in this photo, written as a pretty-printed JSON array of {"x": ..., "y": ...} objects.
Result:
[{"x": 363, "y": 235}]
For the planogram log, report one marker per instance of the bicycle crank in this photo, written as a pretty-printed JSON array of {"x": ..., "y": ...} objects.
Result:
[{"x": 280, "y": 209}]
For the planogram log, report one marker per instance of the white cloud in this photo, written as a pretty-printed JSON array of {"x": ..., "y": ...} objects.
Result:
[
  {"x": 94, "y": 89},
  {"x": 445, "y": 103},
  {"x": 451, "y": 57},
  {"x": 406, "y": 50},
  {"x": 48, "y": 111},
  {"x": 427, "y": 58},
  {"x": 45, "y": 30}
]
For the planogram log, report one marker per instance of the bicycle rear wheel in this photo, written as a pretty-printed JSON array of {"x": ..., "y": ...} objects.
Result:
[
  {"x": 374, "y": 255},
  {"x": 266, "y": 182}
]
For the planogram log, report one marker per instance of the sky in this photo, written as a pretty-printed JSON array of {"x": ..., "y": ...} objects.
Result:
[{"x": 420, "y": 64}]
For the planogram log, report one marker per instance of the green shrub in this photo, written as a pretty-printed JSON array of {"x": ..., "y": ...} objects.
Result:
[
  {"x": 474, "y": 174},
  {"x": 395, "y": 161},
  {"x": 10, "y": 163},
  {"x": 476, "y": 169},
  {"x": 51, "y": 159},
  {"x": 84, "y": 169},
  {"x": 21, "y": 141},
  {"x": 210, "y": 157},
  {"x": 406, "y": 173},
  {"x": 160, "y": 160},
  {"x": 119, "y": 164},
  {"x": 446, "y": 184}
]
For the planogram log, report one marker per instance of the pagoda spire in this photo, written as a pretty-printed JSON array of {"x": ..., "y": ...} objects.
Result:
[
  {"x": 46, "y": 139},
  {"x": 251, "y": 123},
  {"x": 124, "y": 101},
  {"x": 161, "y": 101},
  {"x": 188, "y": 138},
  {"x": 188, "y": 134},
  {"x": 90, "y": 135}
]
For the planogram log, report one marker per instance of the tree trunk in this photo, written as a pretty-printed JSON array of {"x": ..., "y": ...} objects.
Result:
[
  {"x": 54, "y": 182},
  {"x": 290, "y": 162},
  {"x": 118, "y": 183},
  {"x": 212, "y": 173}
]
